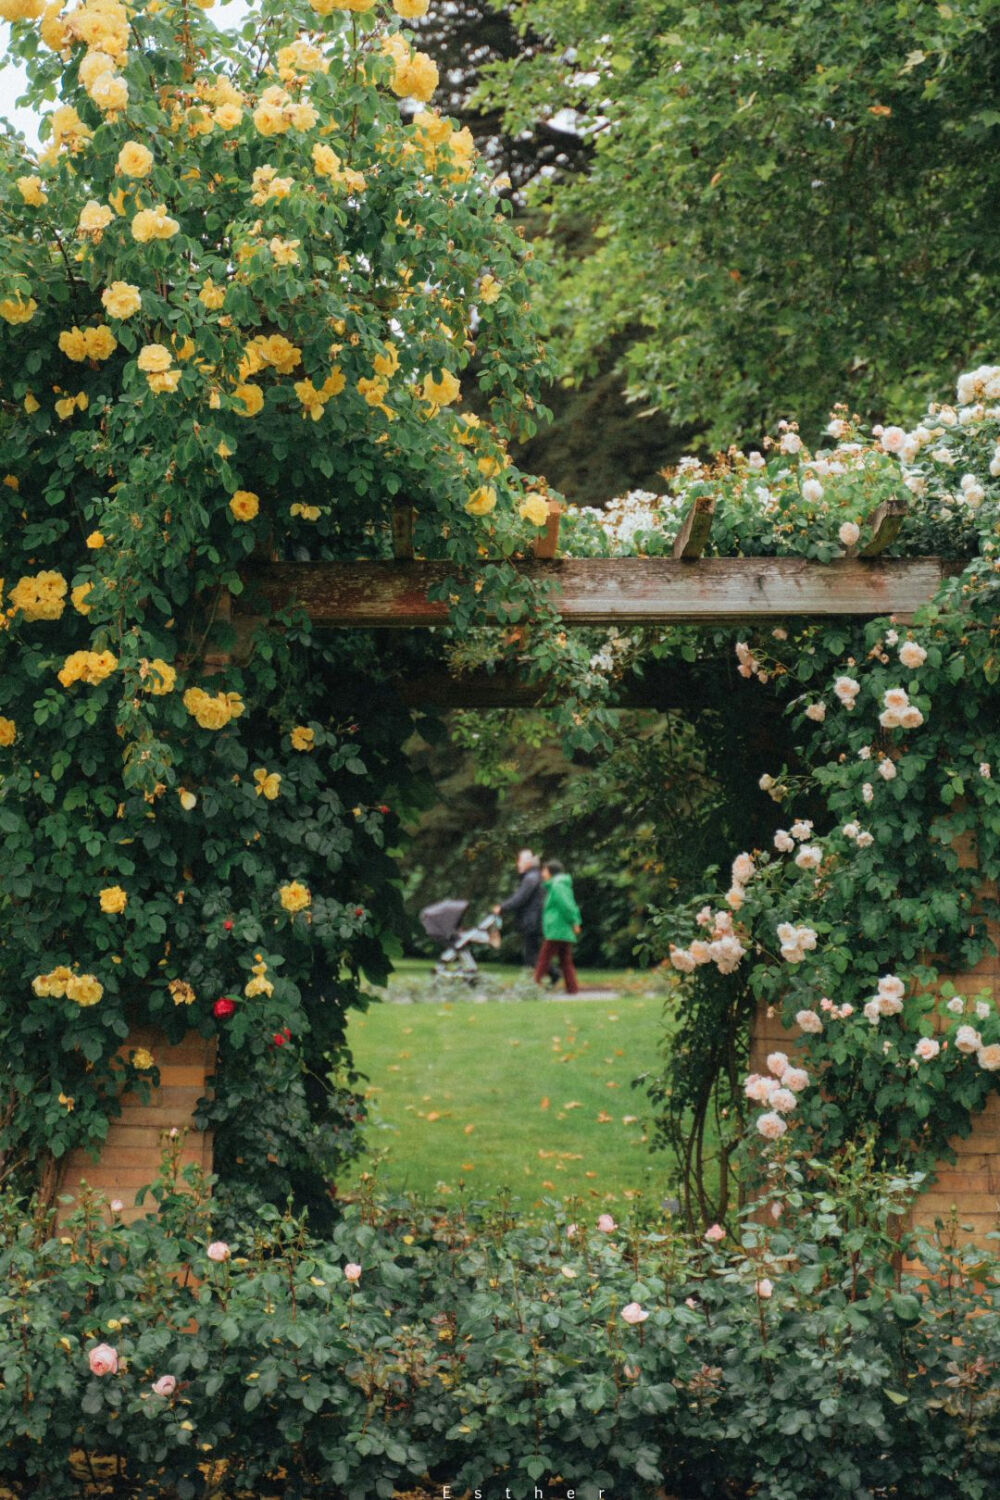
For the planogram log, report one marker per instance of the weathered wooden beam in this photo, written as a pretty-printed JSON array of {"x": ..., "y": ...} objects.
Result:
[
  {"x": 692, "y": 538},
  {"x": 610, "y": 591},
  {"x": 885, "y": 521}
]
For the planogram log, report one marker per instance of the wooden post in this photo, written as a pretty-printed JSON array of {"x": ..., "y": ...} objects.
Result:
[
  {"x": 403, "y": 517},
  {"x": 691, "y": 540}
]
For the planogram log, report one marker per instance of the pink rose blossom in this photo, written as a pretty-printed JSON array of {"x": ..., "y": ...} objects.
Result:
[
  {"x": 927, "y": 1048},
  {"x": 989, "y": 1057},
  {"x": 771, "y": 1126},
  {"x": 715, "y": 1232},
  {"x": 633, "y": 1313},
  {"x": 606, "y": 1224},
  {"x": 218, "y": 1250},
  {"x": 103, "y": 1360},
  {"x": 795, "y": 1079},
  {"x": 912, "y": 655},
  {"x": 849, "y": 533},
  {"x": 763, "y": 1288},
  {"x": 783, "y": 1100},
  {"x": 352, "y": 1272},
  {"x": 777, "y": 1062},
  {"x": 165, "y": 1386},
  {"x": 809, "y": 1022}
]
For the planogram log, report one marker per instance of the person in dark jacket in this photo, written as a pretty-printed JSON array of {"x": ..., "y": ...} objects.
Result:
[
  {"x": 525, "y": 906},
  {"x": 560, "y": 925}
]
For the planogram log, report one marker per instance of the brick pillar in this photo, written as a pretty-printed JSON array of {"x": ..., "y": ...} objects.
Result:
[{"x": 130, "y": 1156}]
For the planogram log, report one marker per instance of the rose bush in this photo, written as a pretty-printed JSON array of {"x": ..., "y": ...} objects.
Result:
[
  {"x": 241, "y": 288},
  {"x": 416, "y": 1347}
]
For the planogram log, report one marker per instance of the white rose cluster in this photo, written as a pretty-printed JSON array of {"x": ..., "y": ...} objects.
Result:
[
  {"x": 795, "y": 941},
  {"x": 888, "y": 999},
  {"x": 898, "y": 712},
  {"x": 777, "y": 1091},
  {"x": 721, "y": 948}
]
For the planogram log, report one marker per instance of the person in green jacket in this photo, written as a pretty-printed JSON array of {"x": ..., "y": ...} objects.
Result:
[{"x": 560, "y": 925}]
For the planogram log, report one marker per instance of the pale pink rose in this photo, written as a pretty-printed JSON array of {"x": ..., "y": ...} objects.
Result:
[
  {"x": 763, "y": 1288},
  {"x": 956, "y": 1005},
  {"x": 771, "y": 1126},
  {"x": 873, "y": 1012},
  {"x": 983, "y": 1009},
  {"x": 791, "y": 443},
  {"x": 777, "y": 1209},
  {"x": 816, "y": 712},
  {"x": 846, "y": 689},
  {"x": 812, "y": 491},
  {"x": 865, "y": 839},
  {"x": 777, "y": 1062},
  {"x": 851, "y": 830},
  {"x": 783, "y": 842},
  {"x": 968, "y": 1040},
  {"x": 911, "y": 718},
  {"x": 927, "y": 1048},
  {"x": 989, "y": 1057},
  {"x": 735, "y": 897},
  {"x": 891, "y": 718},
  {"x": 631, "y": 1372},
  {"x": 165, "y": 1386},
  {"x": 352, "y": 1272},
  {"x": 801, "y": 828},
  {"x": 704, "y": 917},
  {"x": 849, "y": 533},
  {"x": 887, "y": 770},
  {"x": 783, "y": 1100},
  {"x": 116, "y": 1205},
  {"x": 867, "y": 792},
  {"x": 760, "y": 1089},
  {"x": 896, "y": 698},
  {"x": 912, "y": 655},
  {"x": 809, "y": 857},
  {"x": 633, "y": 1313},
  {"x": 103, "y": 1360},
  {"x": 699, "y": 952},
  {"x": 715, "y": 1233},
  {"x": 893, "y": 439},
  {"x": 844, "y": 1011},
  {"x": 891, "y": 637},
  {"x": 606, "y": 1224},
  {"x": 218, "y": 1250},
  {"x": 756, "y": 460},
  {"x": 892, "y": 986},
  {"x": 809, "y": 1022},
  {"x": 744, "y": 869},
  {"x": 795, "y": 1079},
  {"x": 682, "y": 960}
]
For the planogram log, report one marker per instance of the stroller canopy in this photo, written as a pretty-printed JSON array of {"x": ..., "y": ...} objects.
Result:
[{"x": 442, "y": 920}]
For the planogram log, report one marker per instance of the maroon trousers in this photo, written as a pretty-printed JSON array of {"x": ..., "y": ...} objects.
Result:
[{"x": 563, "y": 954}]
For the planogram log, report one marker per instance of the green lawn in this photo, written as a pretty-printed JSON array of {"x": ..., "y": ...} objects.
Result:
[{"x": 528, "y": 1094}]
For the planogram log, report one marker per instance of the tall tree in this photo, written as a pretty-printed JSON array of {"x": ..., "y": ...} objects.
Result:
[{"x": 797, "y": 202}]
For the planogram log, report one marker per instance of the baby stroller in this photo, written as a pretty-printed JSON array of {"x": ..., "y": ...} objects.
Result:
[{"x": 443, "y": 922}]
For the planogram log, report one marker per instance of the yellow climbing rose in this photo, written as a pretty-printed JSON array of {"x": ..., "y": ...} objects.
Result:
[
  {"x": 113, "y": 900},
  {"x": 8, "y": 732},
  {"x": 135, "y": 159},
  {"x": 121, "y": 299},
  {"x": 295, "y": 896},
  {"x": 481, "y": 501},
  {"x": 244, "y": 505}
]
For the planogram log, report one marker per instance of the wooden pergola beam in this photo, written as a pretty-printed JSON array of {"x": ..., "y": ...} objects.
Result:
[{"x": 610, "y": 591}]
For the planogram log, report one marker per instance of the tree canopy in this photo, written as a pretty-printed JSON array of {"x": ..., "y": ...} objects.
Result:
[{"x": 792, "y": 204}]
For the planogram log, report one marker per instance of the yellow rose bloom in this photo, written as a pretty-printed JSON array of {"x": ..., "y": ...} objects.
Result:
[
  {"x": 305, "y": 512},
  {"x": 258, "y": 985},
  {"x": 164, "y": 380},
  {"x": 211, "y": 713},
  {"x": 95, "y": 541},
  {"x": 228, "y": 116},
  {"x": 295, "y": 896},
  {"x": 153, "y": 224},
  {"x": 31, "y": 405},
  {"x": 275, "y": 350},
  {"x": 284, "y": 251},
  {"x": 534, "y": 508},
  {"x": 211, "y": 296},
  {"x": 410, "y": 10},
  {"x": 270, "y": 119},
  {"x": 481, "y": 501},
  {"x": 32, "y": 191},
  {"x": 39, "y": 597},
  {"x": 373, "y": 390},
  {"x": 303, "y": 116},
  {"x": 84, "y": 989},
  {"x": 244, "y": 505},
  {"x": 78, "y": 598},
  {"x": 153, "y": 358},
  {"x": 93, "y": 65},
  {"x": 143, "y": 1059},
  {"x": 91, "y": 667},
  {"x": 489, "y": 289},
  {"x": 387, "y": 363},
  {"x": 135, "y": 160},
  {"x": 73, "y": 344},
  {"x": 415, "y": 78},
  {"x": 252, "y": 398},
  {"x": 325, "y": 160},
  {"x": 8, "y": 732},
  {"x": 101, "y": 342},
  {"x": 109, "y": 92},
  {"x": 94, "y": 217},
  {"x": 268, "y": 783},
  {"x": 67, "y": 127},
  {"x": 160, "y": 677},
  {"x": 440, "y": 392},
  {"x": 113, "y": 900},
  {"x": 121, "y": 299},
  {"x": 18, "y": 309},
  {"x": 181, "y": 992}
]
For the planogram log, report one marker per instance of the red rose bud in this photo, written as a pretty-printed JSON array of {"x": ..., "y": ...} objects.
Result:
[
  {"x": 359, "y": 911},
  {"x": 227, "y": 924},
  {"x": 279, "y": 1039},
  {"x": 287, "y": 1033},
  {"x": 224, "y": 1008},
  {"x": 383, "y": 807}
]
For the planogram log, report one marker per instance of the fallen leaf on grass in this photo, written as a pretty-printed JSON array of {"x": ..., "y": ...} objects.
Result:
[
  {"x": 573, "y": 1104},
  {"x": 544, "y": 1103},
  {"x": 468, "y": 1129},
  {"x": 603, "y": 1118}
]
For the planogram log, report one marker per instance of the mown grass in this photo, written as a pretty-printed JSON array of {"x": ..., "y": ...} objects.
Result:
[{"x": 531, "y": 1095}]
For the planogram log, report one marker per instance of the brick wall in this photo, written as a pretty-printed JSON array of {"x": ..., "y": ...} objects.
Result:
[{"x": 130, "y": 1156}]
